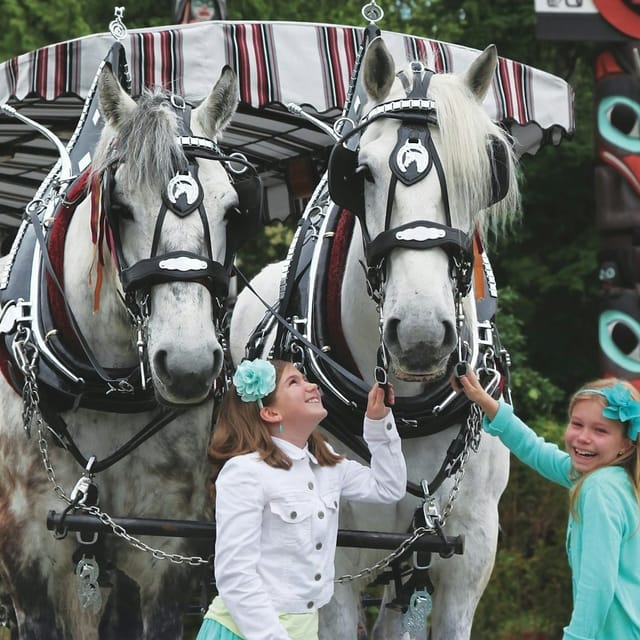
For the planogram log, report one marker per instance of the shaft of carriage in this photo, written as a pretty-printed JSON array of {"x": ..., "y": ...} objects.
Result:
[{"x": 82, "y": 523}]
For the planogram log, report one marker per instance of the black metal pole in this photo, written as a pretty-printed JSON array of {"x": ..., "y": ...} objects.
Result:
[{"x": 194, "y": 529}]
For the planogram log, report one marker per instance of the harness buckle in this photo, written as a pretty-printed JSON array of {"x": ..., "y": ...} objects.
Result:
[
  {"x": 416, "y": 561},
  {"x": 80, "y": 492},
  {"x": 13, "y": 313},
  {"x": 380, "y": 375},
  {"x": 177, "y": 102}
]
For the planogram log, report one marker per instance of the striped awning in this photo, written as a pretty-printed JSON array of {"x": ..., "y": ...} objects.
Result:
[{"x": 277, "y": 63}]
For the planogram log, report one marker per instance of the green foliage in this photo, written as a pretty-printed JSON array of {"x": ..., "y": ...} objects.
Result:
[
  {"x": 270, "y": 245},
  {"x": 530, "y": 588},
  {"x": 30, "y": 24}
]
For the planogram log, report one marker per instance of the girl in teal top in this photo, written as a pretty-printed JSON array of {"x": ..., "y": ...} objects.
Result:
[{"x": 602, "y": 471}]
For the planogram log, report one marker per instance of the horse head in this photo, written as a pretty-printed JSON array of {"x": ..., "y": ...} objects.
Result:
[
  {"x": 165, "y": 199},
  {"x": 430, "y": 170}
]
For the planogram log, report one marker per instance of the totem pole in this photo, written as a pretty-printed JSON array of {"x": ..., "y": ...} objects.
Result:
[
  {"x": 616, "y": 24},
  {"x": 186, "y": 11}
]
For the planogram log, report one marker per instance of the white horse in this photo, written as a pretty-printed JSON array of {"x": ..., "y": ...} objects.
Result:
[
  {"x": 417, "y": 287},
  {"x": 162, "y": 262}
]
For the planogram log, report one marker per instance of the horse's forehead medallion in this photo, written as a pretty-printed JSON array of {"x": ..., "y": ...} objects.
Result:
[
  {"x": 410, "y": 160},
  {"x": 412, "y": 152},
  {"x": 183, "y": 194}
]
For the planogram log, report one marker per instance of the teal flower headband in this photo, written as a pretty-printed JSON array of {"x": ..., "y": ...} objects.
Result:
[
  {"x": 620, "y": 406},
  {"x": 254, "y": 379}
]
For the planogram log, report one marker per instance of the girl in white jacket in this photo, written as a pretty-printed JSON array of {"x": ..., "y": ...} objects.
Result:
[{"x": 278, "y": 485}]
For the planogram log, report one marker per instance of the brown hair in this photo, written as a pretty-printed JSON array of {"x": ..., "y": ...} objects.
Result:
[
  {"x": 630, "y": 459},
  {"x": 239, "y": 429}
]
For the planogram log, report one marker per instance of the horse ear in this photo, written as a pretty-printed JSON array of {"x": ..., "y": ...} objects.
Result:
[
  {"x": 217, "y": 110},
  {"x": 115, "y": 102},
  {"x": 379, "y": 70},
  {"x": 479, "y": 75}
]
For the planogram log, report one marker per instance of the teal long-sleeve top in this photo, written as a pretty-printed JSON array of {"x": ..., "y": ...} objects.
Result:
[{"x": 603, "y": 538}]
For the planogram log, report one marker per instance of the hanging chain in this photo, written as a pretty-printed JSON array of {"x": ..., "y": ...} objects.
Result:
[
  {"x": 121, "y": 532},
  {"x": 404, "y": 546},
  {"x": 472, "y": 442},
  {"x": 27, "y": 358},
  {"x": 31, "y": 416}
]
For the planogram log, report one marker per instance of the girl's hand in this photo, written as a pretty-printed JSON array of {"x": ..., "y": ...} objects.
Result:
[
  {"x": 376, "y": 408},
  {"x": 471, "y": 387}
]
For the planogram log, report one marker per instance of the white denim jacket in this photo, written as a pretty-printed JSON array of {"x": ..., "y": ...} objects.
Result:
[{"x": 276, "y": 529}]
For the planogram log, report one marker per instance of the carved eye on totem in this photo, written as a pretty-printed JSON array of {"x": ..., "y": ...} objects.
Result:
[
  {"x": 619, "y": 123},
  {"x": 619, "y": 338}
]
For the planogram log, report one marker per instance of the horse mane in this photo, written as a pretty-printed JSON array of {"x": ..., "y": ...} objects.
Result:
[
  {"x": 465, "y": 128},
  {"x": 150, "y": 127}
]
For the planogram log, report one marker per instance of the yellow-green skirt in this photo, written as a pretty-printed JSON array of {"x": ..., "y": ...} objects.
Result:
[{"x": 299, "y": 626}]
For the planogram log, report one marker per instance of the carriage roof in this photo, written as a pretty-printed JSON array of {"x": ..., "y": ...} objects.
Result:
[{"x": 277, "y": 63}]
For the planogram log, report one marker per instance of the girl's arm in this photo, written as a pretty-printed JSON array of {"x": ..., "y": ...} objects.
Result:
[
  {"x": 544, "y": 457},
  {"x": 239, "y": 507},
  {"x": 386, "y": 478}
]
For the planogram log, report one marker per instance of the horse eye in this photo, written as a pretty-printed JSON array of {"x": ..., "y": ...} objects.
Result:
[
  {"x": 122, "y": 211},
  {"x": 364, "y": 171}
]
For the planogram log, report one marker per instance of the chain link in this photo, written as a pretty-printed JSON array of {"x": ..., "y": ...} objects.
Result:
[
  {"x": 387, "y": 560},
  {"x": 472, "y": 442},
  {"x": 121, "y": 532},
  {"x": 31, "y": 414}
]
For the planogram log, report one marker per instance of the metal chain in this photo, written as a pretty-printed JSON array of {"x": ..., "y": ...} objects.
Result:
[
  {"x": 121, "y": 532},
  {"x": 474, "y": 429},
  {"x": 472, "y": 443},
  {"x": 387, "y": 560},
  {"x": 31, "y": 414}
]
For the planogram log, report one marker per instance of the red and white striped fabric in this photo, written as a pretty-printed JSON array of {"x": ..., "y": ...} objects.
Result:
[{"x": 277, "y": 62}]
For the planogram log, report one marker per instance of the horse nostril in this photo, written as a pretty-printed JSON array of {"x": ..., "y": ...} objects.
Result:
[
  {"x": 391, "y": 332},
  {"x": 450, "y": 335},
  {"x": 160, "y": 363},
  {"x": 218, "y": 360}
]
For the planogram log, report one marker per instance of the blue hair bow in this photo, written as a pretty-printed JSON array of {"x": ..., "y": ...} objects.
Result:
[
  {"x": 620, "y": 406},
  {"x": 254, "y": 379}
]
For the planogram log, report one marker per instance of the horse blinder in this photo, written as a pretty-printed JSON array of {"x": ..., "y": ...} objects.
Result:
[
  {"x": 500, "y": 178},
  {"x": 346, "y": 183}
]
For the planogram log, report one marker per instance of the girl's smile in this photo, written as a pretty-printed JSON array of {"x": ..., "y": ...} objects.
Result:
[
  {"x": 297, "y": 406},
  {"x": 592, "y": 440}
]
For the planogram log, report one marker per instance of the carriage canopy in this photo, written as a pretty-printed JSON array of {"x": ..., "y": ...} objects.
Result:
[{"x": 277, "y": 63}]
